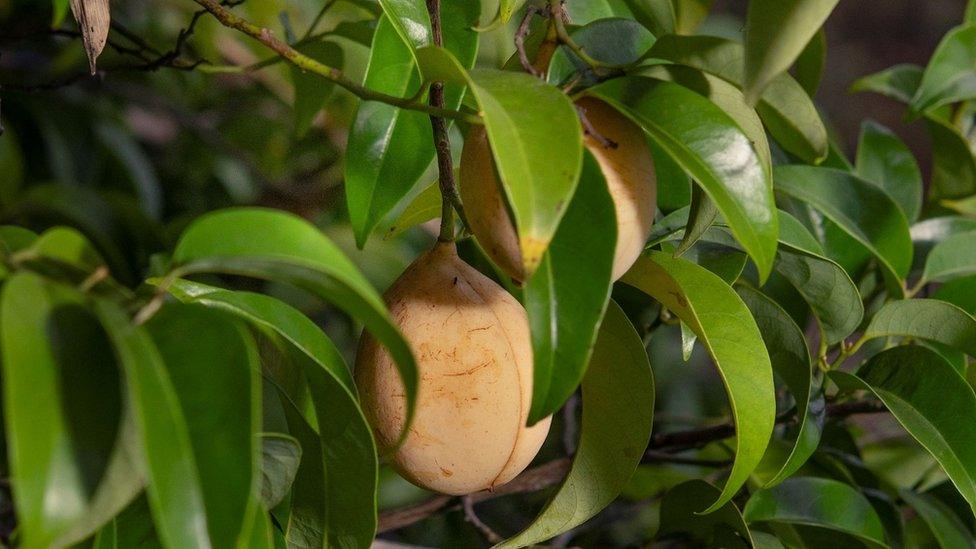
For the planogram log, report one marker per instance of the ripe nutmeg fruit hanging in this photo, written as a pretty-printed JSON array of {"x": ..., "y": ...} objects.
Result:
[
  {"x": 474, "y": 358},
  {"x": 621, "y": 150}
]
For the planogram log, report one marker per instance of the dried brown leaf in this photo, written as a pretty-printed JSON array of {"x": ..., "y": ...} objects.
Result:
[{"x": 93, "y": 19}]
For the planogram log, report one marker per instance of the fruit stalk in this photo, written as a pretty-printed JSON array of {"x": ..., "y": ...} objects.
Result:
[{"x": 442, "y": 142}]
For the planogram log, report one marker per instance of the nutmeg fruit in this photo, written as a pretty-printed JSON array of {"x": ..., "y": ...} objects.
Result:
[
  {"x": 474, "y": 355},
  {"x": 626, "y": 163}
]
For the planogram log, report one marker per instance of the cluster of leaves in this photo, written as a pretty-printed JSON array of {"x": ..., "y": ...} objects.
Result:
[{"x": 164, "y": 400}]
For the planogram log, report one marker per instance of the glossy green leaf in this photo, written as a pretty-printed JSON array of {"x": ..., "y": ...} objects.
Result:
[
  {"x": 794, "y": 234},
  {"x": 810, "y": 64},
  {"x": 525, "y": 120},
  {"x": 883, "y": 159},
  {"x": 311, "y": 90},
  {"x": 930, "y": 399},
  {"x": 278, "y": 246},
  {"x": 825, "y": 286},
  {"x": 953, "y": 161},
  {"x": 345, "y": 440},
  {"x": 946, "y": 526},
  {"x": 701, "y": 214},
  {"x": 954, "y": 257},
  {"x": 615, "y": 42},
  {"x": 681, "y": 513},
  {"x": 790, "y": 359},
  {"x": 269, "y": 313},
  {"x": 175, "y": 493},
  {"x": 77, "y": 447},
  {"x": 424, "y": 207},
  {"x": 961, "y": 292},
  {"x": 212, "y": 363},
  {"x": 411, "y": 21},
  {"x": 727, "y": 330},
  {"x": 951, "y": 73},
  {"x": 787, "y": 110},
  {"x": 712, "y": 148},
  {"x": 566, "y": 297},
  {"x": 618, "y": 407},
  {"x": 280, "y": 456},
  {"x": 817, "y": 502},
  {"x": 860, "y": 208},
  {"x": 726, "y": 96},
  {"x": 776, "y": 33},
  {"x": 898, "y": 82},
  {"x": 928, "y": 319},
  {"x": 390, "y": 148}
]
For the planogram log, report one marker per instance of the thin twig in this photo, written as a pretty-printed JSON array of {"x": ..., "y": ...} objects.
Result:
[
  {"x": 472, "y": 517},
  {"x": 318, "y": 19},
  {"x": 552, "y": 473},
  {"x": 293, "y": 56},
  {"x": 523, "y": 31}
]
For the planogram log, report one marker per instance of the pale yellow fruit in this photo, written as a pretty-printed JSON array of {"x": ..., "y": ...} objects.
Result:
[
  {"x": 627, "y": 166},
  {"x": 474, "y": 356}
]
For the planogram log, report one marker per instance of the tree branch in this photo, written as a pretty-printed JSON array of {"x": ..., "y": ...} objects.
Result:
[
  {"x": 231, "y": 20},
  {"x": 553, "y": 472}
]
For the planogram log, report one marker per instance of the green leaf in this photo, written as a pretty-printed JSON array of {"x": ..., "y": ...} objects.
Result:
[
  {"x": 616, "y": 42},
  {"x": 970, "y": 15},
  {"x": 689, "y": 14},
  {"x": 860, "y": 208},
  {"x": 681, "y": 513},
  {"x": 280, "y": 456},
  {"x": 76, "y": 448},
  {"x": 212, "y": 362},
  {"x": 961, "y": 292},
  {"x": 898, "y": 82},
  {"x": 954, "y": 257},
  {"x": 566, "y": 297},
  {"x": 712, "y": 148},
  {"x": 928, "y": 319},
  {"x": 931, "y": 401},
  {"x": 278, "y": 246},
  {"x": 883, "y": 159},
  {"x": 953, "y": 161},
  {"x": 390, "y": 148},
  {"x": 525, "y": 120},
  {"x": 701, "y": 214},
  {"x": 810, "y": 64},
  {"x": 776, "y": 33},
  {"x": 951, "y": 73},
  {"x": 14, "y": 238},
  {"x": 311, "y": 90},
  {"x": 726, "y": 96},
  {"x": 175, "y": 493},
  {"x": 790, "y": 359},
  {"x": 789, "y": 113},
  {"x": 826, "y": 287},
  {"x": 817, "y": 502},
  {"x": 657, "y": 16},
  {"x": 507, "y": 7},
  {"x": 727, "y": 330},
  {"x": 345, "y": 440},
  {"x": 411, "y": 21},
  {"x": 424, "y": 207},
  {"x": 618, "y": 407},
  {"x": 269, "y": 313},
  {"x": 945, "y": 525}
]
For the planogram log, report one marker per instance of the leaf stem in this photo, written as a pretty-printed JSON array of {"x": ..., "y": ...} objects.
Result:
[{"x": 231, "y": 20}]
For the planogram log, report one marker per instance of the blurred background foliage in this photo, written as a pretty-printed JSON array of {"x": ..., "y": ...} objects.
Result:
[{"x": 168, "y": 130}]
